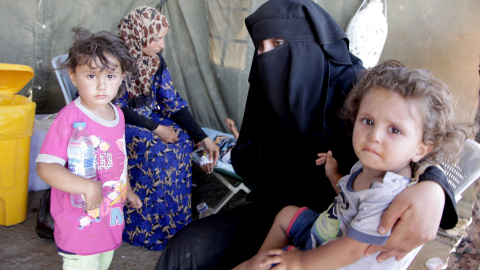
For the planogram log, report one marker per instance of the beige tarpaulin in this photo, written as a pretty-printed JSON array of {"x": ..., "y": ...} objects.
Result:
[{"x": 209, "y": 51}]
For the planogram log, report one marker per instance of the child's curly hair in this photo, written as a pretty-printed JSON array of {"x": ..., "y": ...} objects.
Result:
[
  {"x": 88, "y": 47},
  {"x": 433, "y": 101}
]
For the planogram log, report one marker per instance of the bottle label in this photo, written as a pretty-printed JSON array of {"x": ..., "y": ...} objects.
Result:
[{"x": 80, "y": 166}]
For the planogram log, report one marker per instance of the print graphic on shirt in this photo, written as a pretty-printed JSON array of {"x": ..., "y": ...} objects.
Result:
[
  {"x": 114, "y": 191},
  {"x": 327, "y": 227},
  {"x": 104, "y": 158},
  {"x": 123, "y": 178}
]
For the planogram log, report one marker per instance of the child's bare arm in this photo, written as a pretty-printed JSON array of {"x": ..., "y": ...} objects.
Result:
[
  {"x": 61, "y": 178},
  {"x": 231, "y": 126},
  {"x": 335, "y": 254},
  {"x": 331, "y": 168}
]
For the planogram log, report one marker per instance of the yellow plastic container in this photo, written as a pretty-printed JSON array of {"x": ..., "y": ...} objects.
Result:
[{"x": 17, "y": 115}]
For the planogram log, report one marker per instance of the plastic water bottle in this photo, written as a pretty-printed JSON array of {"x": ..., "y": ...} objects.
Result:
[
  {"x": 203, "y": 210},
  {"x": 81, "y": 159}
]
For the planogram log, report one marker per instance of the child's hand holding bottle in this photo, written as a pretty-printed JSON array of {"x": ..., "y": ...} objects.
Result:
[{"x": 93, "y": 195}]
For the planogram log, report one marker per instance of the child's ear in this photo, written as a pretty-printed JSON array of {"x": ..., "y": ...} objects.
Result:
[
  {"x": 72, "y": 77},
  {"x": 423, "y": 150}
]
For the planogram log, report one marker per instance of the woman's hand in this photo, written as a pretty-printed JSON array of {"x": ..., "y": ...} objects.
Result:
[
  {"x": 166, "y": 134},
  {"x": 213, "y": 152},
  {"x": 415, "y": 216}
]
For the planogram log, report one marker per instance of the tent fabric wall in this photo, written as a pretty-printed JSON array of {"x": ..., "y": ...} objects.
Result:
[
  {"x": 418, "y": 36},
  {"x": 35, "y": 31},
  {"x": 213, "y": 91},
  {"x": 41, "y": 29}
]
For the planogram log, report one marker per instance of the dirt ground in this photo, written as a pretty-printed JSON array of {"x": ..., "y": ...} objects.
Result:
[{"x": 21, "y": 248}]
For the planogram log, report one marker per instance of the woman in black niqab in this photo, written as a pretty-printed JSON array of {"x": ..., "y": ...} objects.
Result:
[{"x": 296, "y": 92}]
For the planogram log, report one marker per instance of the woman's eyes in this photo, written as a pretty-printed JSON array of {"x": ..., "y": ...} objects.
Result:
[
  {"x": 279, "y": 42},
  {"x": 275, "y": 43}
]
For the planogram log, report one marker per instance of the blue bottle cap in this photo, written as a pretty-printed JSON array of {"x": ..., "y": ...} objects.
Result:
[
  {"x": 202, "y": 207},
  {"x": 79, "y": 125}
]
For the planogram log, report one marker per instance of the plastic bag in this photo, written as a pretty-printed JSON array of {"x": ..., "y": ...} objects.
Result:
[
  {"x": 435, "y": 264},
  {"x": 45, "y": 222},
  {"x": 205, "y": 159},
  {"x": 17, "y": 115}
]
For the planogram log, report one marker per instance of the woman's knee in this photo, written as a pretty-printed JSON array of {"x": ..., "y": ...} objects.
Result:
[{"x": 198, "y": 245}]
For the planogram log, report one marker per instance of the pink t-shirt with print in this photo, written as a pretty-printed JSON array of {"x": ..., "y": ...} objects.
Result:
[{"x": 98, "y": 230}]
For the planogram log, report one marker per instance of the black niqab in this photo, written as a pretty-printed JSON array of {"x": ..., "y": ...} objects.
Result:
[{"x": 296, "y": 92}]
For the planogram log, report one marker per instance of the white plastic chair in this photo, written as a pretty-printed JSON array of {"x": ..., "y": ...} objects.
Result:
[
  {"x": 463, "y": 174},
  {"x": 68, "y": 89},
  {"x": 460, "y": 177}
]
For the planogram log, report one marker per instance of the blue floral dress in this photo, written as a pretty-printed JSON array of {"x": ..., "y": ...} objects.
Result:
[{"x": 159, "y": 173}]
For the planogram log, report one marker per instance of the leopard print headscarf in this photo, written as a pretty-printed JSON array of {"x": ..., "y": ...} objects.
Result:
[{"x": 138, "y": 28}]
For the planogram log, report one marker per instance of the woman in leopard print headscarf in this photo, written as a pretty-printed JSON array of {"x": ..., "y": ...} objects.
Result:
[{"x": 160, "y": 133}]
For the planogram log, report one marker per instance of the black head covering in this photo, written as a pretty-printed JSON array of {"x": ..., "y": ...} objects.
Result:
[{"x": 296, "y": 91}]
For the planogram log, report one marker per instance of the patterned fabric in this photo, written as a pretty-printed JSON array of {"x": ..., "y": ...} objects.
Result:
[
  {"x": 159, "y": 173},
  {"x": 138, "y": 28},
  {"x": 466, "y": 253}
]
